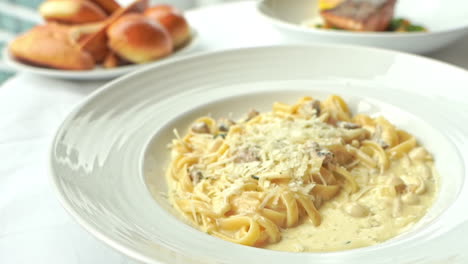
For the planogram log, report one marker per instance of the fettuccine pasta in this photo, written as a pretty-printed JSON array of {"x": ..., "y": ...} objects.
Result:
[{"x": 247, "y": 181}]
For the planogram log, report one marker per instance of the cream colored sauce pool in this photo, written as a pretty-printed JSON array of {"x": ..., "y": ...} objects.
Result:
[{"x": 387, "y": 215}]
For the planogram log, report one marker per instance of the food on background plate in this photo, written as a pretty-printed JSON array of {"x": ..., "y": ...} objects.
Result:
[
  {"x": 305, "y": 177},
  {"x": 51, "y": 46},
  {"x": 111, "y": 60},
  {"x": 109, "y": 6},
  {"x": 404, "y": 25},
  {"x": 359, "y": 15},
  {"x": 97, "y": 43},
  {"x": 71, "y": 11},
  {"x": 80, "y": 32},
  {"x": 363, "y": 15},
  {"x": 101, "y": 30},
  {"x": 173, "y": 20},
  {"x": 139, "y": 39}
]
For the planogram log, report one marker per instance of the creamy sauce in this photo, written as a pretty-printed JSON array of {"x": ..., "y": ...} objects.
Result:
[
  {"x": 386, "y": 215},
  {"x": 307, "y": 177}
]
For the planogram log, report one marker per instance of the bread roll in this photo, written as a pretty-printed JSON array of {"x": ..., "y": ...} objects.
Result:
[
  {"x": 96, "y": 43},
  {"x": 81, "y": 31},
  {"x": 173, "y": 20},
  {"x": 138, "y": 6},
  {"x": 109, "y": 6},
  {"x": 51, "y": 46},
  {"x": 71, "y": 11},
  {"x": 111, "y": 60},
  {"x": 138, "y": 39}
]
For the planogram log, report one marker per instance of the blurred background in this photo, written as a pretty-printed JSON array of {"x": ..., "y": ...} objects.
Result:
[{"x": 17, "y": 16}]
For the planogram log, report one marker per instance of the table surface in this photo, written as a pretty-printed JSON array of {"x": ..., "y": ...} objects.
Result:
[{"x": 33, "y": 226}]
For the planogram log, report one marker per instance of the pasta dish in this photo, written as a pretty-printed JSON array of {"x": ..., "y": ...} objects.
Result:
[{"x": 303, "y": 177}]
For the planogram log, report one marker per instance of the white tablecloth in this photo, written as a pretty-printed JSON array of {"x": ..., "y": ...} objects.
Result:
[{"x": 33, "y": 226}]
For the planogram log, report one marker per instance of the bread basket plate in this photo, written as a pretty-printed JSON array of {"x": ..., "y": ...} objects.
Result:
[
  {"x": 108, "y": 158},
  {"x": 98, "y": 73},
  {"x": 446, "y": 21}
]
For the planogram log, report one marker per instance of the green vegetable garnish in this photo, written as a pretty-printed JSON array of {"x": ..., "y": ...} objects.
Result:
[
  {"x": 404, "y": 25},
  {"x": 395, "y": 24},
  {"x": 415, "y": 28}
]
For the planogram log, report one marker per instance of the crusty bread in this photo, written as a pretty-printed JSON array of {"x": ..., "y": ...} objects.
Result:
[
  {"x": 360, "y": 15},
  {"x": 138, "y": 6},
  {"x": 71, "y": 11},
  {"x": 139, "y": 39},
  {"x": 173, "y": 20},
  {"x": 109, "y": 6},
  {"x": 51, "y": 46},
  {"x": 80, "y": 32},
  {"x": 96, "y": 44},
  {"x": 111, "y": 60}
]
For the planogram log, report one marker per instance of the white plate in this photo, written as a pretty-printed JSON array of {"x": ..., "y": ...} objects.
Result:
[
  {"x": 98, "y": 73},
  {"x": 108, "y": 157},
  {"x": 446, "y": 20}
]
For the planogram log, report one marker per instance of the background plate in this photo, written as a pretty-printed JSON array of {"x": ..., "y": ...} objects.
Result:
[
  {"x": 98, "y": 73},
  {"x": 446, "y": 21}
]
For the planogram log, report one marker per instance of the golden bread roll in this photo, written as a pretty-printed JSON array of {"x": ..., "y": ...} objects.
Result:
[
  {"x": 82, "y": 31},
  {"x": 138, "y": 6},
  {"x": 139, "y": 39},
  {"x": 71, "y": 11},
  {"x": 173, "y": 20},
  {"x": 51, "y": 46},
  {"x": 111, "y": 60},
  {"x": 96, "y": 44},
  {"x": 109, "y": 6}
]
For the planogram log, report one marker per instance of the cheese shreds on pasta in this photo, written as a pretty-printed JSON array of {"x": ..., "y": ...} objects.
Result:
[{"x": 251, "y": 180}]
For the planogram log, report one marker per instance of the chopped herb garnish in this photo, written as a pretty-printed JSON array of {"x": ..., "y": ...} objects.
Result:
[
  {"x": 348, "y": 242},
  {"x": 404, "y": 25},
  {"x": 415, "y": 28},
  {"x": 396, "y": 25},
  {"x": 327, "y": 27},
  {"x": 254, "y": 177}
]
